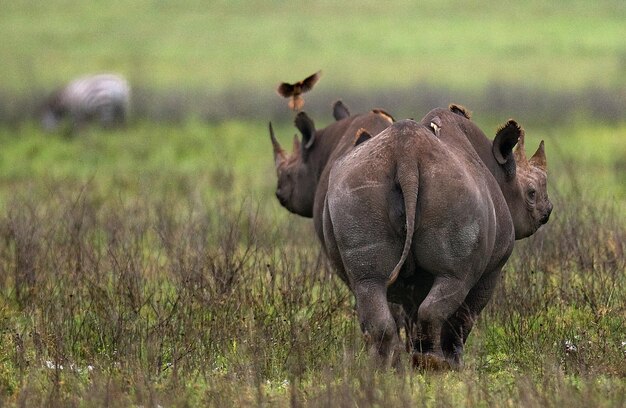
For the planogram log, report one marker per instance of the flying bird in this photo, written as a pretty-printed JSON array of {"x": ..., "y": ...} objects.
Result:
[{"x": 293, "y": 91}]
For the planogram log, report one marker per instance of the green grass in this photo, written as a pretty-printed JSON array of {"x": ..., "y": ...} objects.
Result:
[
  {"x": 196, "y": 156},
  {"x": 159, "y": 256},
  {"x": 220, "y": 45},
  {"x": 145, "y": 157}
]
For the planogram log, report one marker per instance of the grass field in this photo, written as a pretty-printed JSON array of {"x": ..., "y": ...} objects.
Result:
[
  {"x": 221, "y": 60},
  {"x": 162, "y": 271},
  {"x": 367, "y": 44},
  {"x": 152, "y": 265}
]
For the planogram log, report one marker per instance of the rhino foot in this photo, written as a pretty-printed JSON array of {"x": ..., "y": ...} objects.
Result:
[{"x": 430, "y": 362}]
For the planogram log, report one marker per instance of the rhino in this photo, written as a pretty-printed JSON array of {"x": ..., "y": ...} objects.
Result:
[
  {"x": 303, "y": 175},
  {"x": 425, "y": 215}
]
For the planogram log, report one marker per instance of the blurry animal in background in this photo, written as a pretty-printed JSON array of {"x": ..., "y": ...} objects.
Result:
[
  {"x": 103, "y": 99},
  {"x": 293, "y": 91}
]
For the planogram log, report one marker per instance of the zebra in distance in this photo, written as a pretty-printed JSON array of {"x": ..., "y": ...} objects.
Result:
[{"x": 103, "y": 99}]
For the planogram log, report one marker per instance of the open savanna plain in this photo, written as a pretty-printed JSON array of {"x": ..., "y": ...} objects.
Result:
[{"x": 153, "y": 266}]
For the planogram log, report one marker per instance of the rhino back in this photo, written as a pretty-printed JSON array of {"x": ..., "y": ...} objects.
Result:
[
  {"x": 344, "y": 130},
  {"x": 460, "y": 132},
  {"x": 456, "y": 220}
]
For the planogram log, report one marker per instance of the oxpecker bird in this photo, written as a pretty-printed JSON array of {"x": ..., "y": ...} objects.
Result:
[{"x": 293, "y": 91}]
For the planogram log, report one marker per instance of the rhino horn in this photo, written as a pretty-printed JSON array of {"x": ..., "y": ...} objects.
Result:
[
  {"x": 279, "y": 153},
  {"x": 539, "y": 158},
  {"x": 296, "y": 145}
]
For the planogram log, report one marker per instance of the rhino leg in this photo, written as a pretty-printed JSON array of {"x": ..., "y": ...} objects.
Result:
[
  {"x": 454, "y": 334},
  {"x": 329, "y": 243},
  {"x": 402, "y": 322},
  {"x": 459, "y": 326},
  {"x": 377, "y": 322},
  {"x": 443, "y": 300},
  {"x": 359, "y": 237}
]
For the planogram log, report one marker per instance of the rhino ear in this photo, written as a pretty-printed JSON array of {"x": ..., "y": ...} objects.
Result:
[
  {"x": 307, "y": 128},
  {"x": 506, "y": 138},
  {"x": 361, "y": 136},
  {"x": 340, "y": 111},
  {"x": 387, "y": 115},
  {"x": 460, "y": 110}
]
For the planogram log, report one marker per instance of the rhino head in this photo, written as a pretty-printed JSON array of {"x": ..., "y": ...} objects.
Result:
[
  {"x": 525, "y": 183},
  {"x": 52, "y": 112},
  {"x": 296, "y": 173}
]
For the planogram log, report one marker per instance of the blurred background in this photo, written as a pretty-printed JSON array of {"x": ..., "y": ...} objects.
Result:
[
  {"x": 539, "y": 61},
  {"x": 204, "y": 77},
  {"x": 151, "y": 264}
]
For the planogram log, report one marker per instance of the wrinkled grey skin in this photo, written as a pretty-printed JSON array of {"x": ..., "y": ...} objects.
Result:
[
  {"x": 303, "y": 175},
  {"x": 426, "y": 215}
]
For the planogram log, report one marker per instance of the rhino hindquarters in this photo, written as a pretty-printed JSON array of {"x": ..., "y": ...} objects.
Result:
[
  {"x": 359, "y": 239},
  {"x": 366, "y": 257},
  {"x": 330, "y": 244}
]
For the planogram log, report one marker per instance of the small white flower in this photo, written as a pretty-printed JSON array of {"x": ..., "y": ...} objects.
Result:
[
  {"x": 50, "y": 364},
  {"x": 72, "y": 367},
  {"x": 570, "y": 347}
]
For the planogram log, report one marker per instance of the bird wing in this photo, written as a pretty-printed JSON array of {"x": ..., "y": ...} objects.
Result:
[
  {"x": 285, "y": 90},
  {"x": 307, "y": 83}
]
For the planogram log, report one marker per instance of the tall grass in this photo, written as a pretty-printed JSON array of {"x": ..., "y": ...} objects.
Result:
[
  {"x": 188, "y": 300},
  {"x": 151, "y": 266},
  {"x": 156, "y": 291}
]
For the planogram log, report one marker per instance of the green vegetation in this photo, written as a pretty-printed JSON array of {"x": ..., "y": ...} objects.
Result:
[
  {"x": 161, "y": 270},
  {"x": 369, "y": 44},
  {"x": 152, "y": 265}
]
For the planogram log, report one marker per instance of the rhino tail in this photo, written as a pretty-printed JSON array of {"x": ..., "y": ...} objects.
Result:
[{"x": 408, "y": 179}]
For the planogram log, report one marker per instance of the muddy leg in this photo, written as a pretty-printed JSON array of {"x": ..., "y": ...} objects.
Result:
[
  {"x": 400, "y": 317},
  {"x": 458, "y": 327},
  {"x": 454, "y": 334},
  {"x": 377, "y": 322},
  {"x": 444, "y": 298}
]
